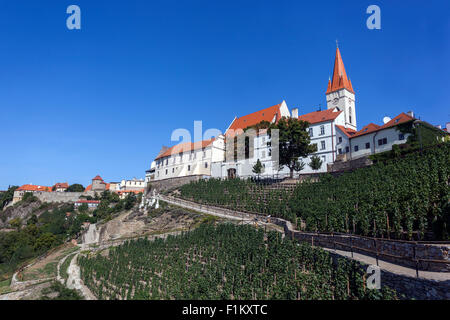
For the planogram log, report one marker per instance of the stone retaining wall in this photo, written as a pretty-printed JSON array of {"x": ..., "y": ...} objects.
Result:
[{"x": 166, "y": 184}]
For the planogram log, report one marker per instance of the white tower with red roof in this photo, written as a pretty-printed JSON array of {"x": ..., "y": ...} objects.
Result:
[{"x": 340, "y": 92}]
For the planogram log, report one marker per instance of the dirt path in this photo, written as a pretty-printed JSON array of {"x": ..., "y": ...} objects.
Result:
[{"x": 74, "y": 280}]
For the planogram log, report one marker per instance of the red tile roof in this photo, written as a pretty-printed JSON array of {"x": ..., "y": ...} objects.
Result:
[
  {"x": 184, "y": 147},
  {"x": 30, "y": 187},
  {"x": 61, "y": 185},
  {"x": 347, "y": 131},
  {"x": 320, "y": 116},
  {"x": 89, "y": 187},
  {"x": 98, "y": 178},
  {"x": 340, "y": 80},
  {"x": 372, "y": 127},
  {"x": 88, "y": 201},
  {"x": 130, "y": 191},
  {"x": 267, "y": 114}
]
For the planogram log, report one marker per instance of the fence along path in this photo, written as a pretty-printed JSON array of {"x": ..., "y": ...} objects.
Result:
[{"x": 361, "y": 248}]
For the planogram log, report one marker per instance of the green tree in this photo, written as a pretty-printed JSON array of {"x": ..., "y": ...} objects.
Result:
[
  {"x": 16, "y": 223},
  {"x": 294, "y": 141},
  {"x": 75, "y": 188},
  {"x": 257, "y": 168},
  {"x": 315, "y": 163},
  {"x": 45, "y": 242},
  {"x": 299, "y": 166},
  {"x": 7, "y": 197}
]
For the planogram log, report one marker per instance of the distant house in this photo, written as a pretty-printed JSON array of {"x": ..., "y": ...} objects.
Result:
[
  {"x": 20, "y": 192},
  {"x": 133, "y": 184},
  {"x": 124, "y": 193},
  {"x": 92, "y": 204},
  {"x": 98, "y": 185},
  {"x": 60, "y": 187}
]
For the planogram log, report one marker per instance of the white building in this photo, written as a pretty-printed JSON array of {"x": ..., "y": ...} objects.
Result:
[
  {"x": 189, "y": 159},
  {"x": 240, "y": 163},
  {"x": 150, "y": 174},
  {"x": 133, "y": 184},
  {"x": 323, "y": 130},
  {"x": 372, "y": 138}
]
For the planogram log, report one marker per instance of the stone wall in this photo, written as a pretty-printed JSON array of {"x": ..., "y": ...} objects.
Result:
[
  {"x": 349, "y": 165},
  {"x": 63, "y": 197},
  {"x": 166, "y": 184}
]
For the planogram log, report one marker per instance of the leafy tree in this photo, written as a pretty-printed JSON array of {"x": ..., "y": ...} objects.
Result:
[
  {"x": 257, "y": 168},
  {"x": 45, "y": 242},
  {"x": 299, "y": 166},
  {"x": 315, "y": 163},
  {"x": 294, "y": 141},
  {"x": 75, "y": 188},
  {"x": 7, "y": 197},
  {"x": 28, "y": 197},
  {"x": 83, "y": 208},
  {"x": 16, "y": 223}
]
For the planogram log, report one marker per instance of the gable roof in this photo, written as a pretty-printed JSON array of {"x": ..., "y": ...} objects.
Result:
[
  {"x": 186, "y": 146},
  {"x": 31, "y": 187},
  {"x": 340, "y": 79},
  {"x": 372, "y": 127},
  {"x": 267, "y": 114},
  {"x": 320, "y": 116},
  {"x": 347, "y": 131}
]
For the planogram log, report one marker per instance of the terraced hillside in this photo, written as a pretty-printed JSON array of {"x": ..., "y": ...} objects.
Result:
[
  {"x": 402, "y": 198},
  {"x": 223, "y": 262}
]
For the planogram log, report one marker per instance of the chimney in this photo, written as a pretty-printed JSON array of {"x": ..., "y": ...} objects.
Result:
[
  {"x": 295, "y": 113},
  {"x": 447, "y": 126},
  {"x": 410, "y": 113}
]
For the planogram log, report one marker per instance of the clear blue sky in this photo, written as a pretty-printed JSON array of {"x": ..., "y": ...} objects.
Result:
[{"x": 102, "y": 100}]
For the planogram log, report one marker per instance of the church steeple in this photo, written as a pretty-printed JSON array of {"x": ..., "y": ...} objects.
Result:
[
  {"x": 340, "y": 79},
  {"x": 340, "y": 92}
]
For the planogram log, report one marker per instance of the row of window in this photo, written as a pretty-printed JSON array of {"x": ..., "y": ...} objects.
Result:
[
  {"x": 192, "y": 156},
  {"x": 321, "y": 128},
  {"x": 188, "y": 169},
  {"x": 381, "y": 142}
]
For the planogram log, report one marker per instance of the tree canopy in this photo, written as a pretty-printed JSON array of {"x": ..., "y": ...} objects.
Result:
[{"x": 294, "y": 141}]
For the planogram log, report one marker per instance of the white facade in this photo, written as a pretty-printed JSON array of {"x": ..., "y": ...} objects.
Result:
[
  {"x": 344, "y": 100},
  {"x": 190, "y": 162},
  {"x": 376, "y": 142},
  {"x": 133, "y": 184}
]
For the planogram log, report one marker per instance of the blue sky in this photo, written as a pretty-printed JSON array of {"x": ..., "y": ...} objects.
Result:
[{"x": 103, "y": 99}]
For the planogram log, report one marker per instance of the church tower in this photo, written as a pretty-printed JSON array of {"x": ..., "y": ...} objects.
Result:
[{"x": 340, "y": 92}]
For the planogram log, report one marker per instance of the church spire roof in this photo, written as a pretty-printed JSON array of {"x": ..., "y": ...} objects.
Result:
[{"x": 340, "y": 79}]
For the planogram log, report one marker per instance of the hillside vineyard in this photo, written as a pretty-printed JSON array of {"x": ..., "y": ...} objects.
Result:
[
  {"x": 224, "y": 262},
  {"x": 403, "y": 198}
]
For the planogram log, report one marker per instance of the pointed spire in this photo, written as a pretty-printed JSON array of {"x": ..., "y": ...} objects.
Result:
[{"x": 340, "y": 80}]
